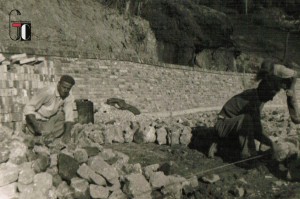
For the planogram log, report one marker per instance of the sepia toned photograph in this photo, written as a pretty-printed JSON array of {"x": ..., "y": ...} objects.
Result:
[{"x": 149, "y": 99}]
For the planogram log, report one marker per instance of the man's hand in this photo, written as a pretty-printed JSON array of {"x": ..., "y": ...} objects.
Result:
[
  {"x": 66, "y": 138},
  {"x": 277, "y": 152},
  {"x": 33, "y": 125},
  {"x": 35, "y": 130}
]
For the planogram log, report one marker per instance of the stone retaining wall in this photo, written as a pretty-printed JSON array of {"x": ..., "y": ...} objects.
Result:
[
  {"x": 153, "y": 88},
  {"x": 161, "y": 90}
]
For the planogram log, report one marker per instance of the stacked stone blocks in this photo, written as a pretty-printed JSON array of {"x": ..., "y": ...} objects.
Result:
[{"x": 20, "y": 77}]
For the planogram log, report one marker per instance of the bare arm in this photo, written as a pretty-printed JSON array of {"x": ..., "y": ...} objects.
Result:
[
  {"x": 68, "y": 128},
  {"x": 67, "y": 132},
  {"x": 261, "y": 135},
  {"x": 292, "y": 102},
  {"x": 33, "y": 124}
]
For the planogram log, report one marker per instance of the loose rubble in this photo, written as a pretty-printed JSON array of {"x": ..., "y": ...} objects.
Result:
[
  {"x": 84, "y": 168},
  {"x": 87, "y": 168}
]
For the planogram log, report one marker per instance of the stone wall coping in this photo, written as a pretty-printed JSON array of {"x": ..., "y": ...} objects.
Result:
[
  {"x": 200, "y": 109},
  {"x": 161, "y": 65},
  {"x": 94, "y": 56}
]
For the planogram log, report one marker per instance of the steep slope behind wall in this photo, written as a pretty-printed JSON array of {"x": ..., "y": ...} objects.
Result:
[{"x": 77, "y": 28}]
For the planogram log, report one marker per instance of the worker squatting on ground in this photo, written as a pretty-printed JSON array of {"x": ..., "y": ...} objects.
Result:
[
  {"x": 240, "y": 117},
  {"x": 49, "y": 113}
]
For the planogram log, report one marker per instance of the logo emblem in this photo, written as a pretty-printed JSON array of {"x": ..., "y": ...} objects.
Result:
[{"x": 19, "y": 30}]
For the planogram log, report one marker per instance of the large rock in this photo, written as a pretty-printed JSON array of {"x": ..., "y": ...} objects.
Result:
[
  {"x": 132, "y": 168},
  {"x": 161, "y": 134},
  {"x": 193, "y": 181},
  {"x": 81, "y": 155},
  {"x": 122, "y": 160},
  {"x": 64, "y": 191},
  {"x": 148, "y": 170},
  {"x": 42, "y": 182},
  {"x": 129, "y": 130},
  {"x": 41, "y": 149},
  {"x": 25, "y": 188},
  {"x": 9, "y": 191},
  {"x": 96, "y": 136},
  {"x": 121, "y": 157},
  {"x": 113, "y": 134},
  {"x": 158, "y": 179},
  {"x": 117, "y": 194},
  {"x": 97, "y": 191},
  {"x": 97, "y": 179},
  {"x": 285, "y": 148},
  {"x": 107, "y": 154},
  {"x": 101, "y": 167},
  {"x": 211, "y": 178},
  {"x": 186, "y": 135},
  {"x": 4, "y": 154},
  {"x": 26, "y": 176},
  {"x": 41, "y": 163},
  {"x": 84, "y": 171},
  {"x": 52, "y": 194},
  {"x": 8, "y": 173},
  {"x": 136, "y": 186},
  {"x": 116, "y": 185},
  {"x": 53, "y": 160},
  {"x": 90, "y": 175},
  {"x": 145, "y": 134},
  {"x": 56, "y": 180},
  {"x": 91, "y": 150},
  {"x": 67, "y": 167},
  {"x": 52, "y": 170},
  {"x": 81, "y": 188},
  {"x": 173, "y": 134},
  {"x": 174, "y": 188},
  {"x": 18, "y": 152},
  {"x": 33, "y": 194}
]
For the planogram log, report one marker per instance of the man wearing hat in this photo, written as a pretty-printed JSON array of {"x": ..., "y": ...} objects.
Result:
[
  {"x": 49, "y": 113},
  {"x": 240, "y": 116}
]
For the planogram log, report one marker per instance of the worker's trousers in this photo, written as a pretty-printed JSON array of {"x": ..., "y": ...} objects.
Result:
[
  {"x": 244, "y": 127},
  {"x": 53, "y": 127}
]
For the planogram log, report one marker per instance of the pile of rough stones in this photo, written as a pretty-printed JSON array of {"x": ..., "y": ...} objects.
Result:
[{"x": 84, "y": 168}]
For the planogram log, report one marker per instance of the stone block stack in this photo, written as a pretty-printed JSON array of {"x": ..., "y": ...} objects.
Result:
[
  {"x": 134, "y": 131},
  {"x": 86, "y": 168},
  {"x": 81, "y": 169},
  {"x": 20, "y": 77}
]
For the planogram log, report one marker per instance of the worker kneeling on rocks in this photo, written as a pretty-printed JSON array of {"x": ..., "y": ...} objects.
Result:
[
  {"x": 49, "y": 113},
  {"x": 240, "y": 117}
]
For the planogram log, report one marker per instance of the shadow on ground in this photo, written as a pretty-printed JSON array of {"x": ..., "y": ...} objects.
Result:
[{"x": 228, "y": 151}]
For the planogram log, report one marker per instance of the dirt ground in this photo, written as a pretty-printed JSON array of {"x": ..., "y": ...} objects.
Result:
[{"x": 258, "y": 179}]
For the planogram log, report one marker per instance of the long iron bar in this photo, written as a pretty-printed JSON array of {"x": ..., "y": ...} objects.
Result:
[{"x": 229, "y": 164}]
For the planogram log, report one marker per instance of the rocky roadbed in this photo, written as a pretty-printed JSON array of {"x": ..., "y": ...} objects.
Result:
[{"x": 138, "y": 157}]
